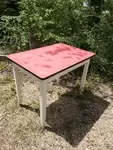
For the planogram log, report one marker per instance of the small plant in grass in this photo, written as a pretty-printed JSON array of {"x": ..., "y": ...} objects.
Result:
[{"x": 3, "y": 65}]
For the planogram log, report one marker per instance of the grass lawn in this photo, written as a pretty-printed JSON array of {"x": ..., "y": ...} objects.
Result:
[{"x": 74, "y": 121}]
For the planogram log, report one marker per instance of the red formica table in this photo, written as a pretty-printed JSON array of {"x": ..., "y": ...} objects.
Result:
[{"x": 46, "y": 64}]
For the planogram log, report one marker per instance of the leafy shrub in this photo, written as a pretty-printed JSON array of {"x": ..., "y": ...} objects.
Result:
[
  {"x": 12, "y": 33},
  {"x": 43, "y": 22}
]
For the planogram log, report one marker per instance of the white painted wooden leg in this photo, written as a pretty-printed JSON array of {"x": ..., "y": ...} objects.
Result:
[
  {"x": 84, "y": 76},
  {"x": 43, "y": 99},
  {"x": 18, "y": 83}
]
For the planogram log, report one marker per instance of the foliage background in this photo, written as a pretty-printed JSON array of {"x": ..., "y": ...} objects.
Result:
[{"x": 26, "y": 24}]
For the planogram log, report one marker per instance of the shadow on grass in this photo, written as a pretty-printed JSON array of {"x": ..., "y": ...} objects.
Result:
[{"x": 73, "y": 115}]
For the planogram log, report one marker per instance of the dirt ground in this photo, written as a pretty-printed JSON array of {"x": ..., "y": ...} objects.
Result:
[{"x": 74, "y": 121}]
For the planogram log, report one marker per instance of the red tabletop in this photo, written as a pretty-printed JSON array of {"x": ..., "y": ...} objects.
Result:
[{"x": 47, "y": 61}]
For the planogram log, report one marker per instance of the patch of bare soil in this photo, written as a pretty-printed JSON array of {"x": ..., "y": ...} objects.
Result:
[{"x": 74, "y": 121}]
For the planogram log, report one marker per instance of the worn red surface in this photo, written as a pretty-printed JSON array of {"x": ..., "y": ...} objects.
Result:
[{"x": 49, "y": 60}]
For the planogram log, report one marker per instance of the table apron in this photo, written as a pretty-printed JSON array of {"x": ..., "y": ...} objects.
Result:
[
  {"x": 27, "y": 73},
  {"x": 56, "y": 76}
]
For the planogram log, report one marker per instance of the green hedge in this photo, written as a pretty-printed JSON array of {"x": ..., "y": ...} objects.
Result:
[{"x": 43, "y": 22}]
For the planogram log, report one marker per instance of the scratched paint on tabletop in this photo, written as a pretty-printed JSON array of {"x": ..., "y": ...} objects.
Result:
[{"x": 47, "y": 61}]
